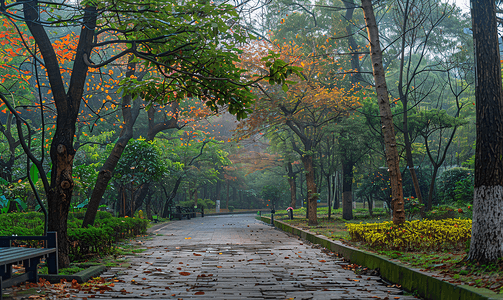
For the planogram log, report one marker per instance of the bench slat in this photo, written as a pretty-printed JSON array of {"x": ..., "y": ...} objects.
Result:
[{"x": 17, "y": 254}]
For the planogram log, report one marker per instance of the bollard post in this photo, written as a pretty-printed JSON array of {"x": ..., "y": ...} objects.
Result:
[
  {"x": 290, "y": 214},
  {"x": 272, "y": 216}
]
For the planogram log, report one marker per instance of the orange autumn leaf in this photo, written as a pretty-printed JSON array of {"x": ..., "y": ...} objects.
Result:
[{"x": 184, "y": 273}]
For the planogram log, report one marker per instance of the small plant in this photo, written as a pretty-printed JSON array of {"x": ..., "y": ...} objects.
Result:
[
  {"x": 231, "y": 208},
  {"x": 70, "y": 270},
  {"x": 412, "y": 207}
]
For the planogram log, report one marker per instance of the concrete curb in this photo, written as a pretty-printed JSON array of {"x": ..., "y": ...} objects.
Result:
[
  {"x": 81, "y": 277},
  {"x": 426, "y": 286}
]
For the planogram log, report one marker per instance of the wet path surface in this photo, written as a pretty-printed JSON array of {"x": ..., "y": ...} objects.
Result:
[{"x": 238, "y": 257}]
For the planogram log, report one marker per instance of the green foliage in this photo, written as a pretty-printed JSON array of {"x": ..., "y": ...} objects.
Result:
[
  {"x": 231, "y": 208},
  {"x": 95, "y": 240},
  {"x": 206, "y": 203},
  {"x": 441, "y": 212},
  {"x": 140, "y": 163},
  {"x": 376, "y": 186},
  {"x": 426, "y": 121},
  {"x": 30, "y": 223},
  {"x": 195, "y": 44},
  {"x": 279, "y": 70},
  {"x": 100, "y": 238},
  {"x": 412, "y": 207},
  {"x": 463, "y": 191},
  {"x": 455, "y": 185},
  {"x": 271, "y": 193},
  {"x": 12, "y": 194}
]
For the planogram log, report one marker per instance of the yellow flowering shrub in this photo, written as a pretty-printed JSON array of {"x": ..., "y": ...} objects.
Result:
[{"x": 414, "y": 235}]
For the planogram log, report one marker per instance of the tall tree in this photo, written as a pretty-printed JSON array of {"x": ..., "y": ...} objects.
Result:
[
  {"x": 487, "y": 228},
  {"x": 305, "y": 109},
  {"x": 386, "y": 115}
]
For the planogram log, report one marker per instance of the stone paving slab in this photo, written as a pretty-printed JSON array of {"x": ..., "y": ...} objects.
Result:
[{"x": 238, "y": 257}]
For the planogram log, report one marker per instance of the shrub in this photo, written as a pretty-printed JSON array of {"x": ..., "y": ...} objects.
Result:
[
  {"x": 455, "y": 185},
  {"x": 448, "y": 234},
  {"x": 231, "y": 208},
  {"x": 412, "y": 207},
  {"x": 207, "y": 203},
  {"x": 98, "y": 239}
]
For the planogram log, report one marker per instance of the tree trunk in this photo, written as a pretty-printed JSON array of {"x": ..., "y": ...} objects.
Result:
[
  {"x": 293, "y": 186},
  {"x": 218, "y": 190},
  {"x": 301, "y": 191},
  {"x": 105, "y": 174},
  {"x": 336, "y": 190},
  {"x": 312, "y": 195},
  {"x": 234, "y": 194},
  {"x": 356, "y": 77},
  {"x": 170, "y": 198},
  {"x": 371, "y": 206},
  {"x": 195, "y": 195},
  {"x": 432, "y": 186},
  {"x": 148, "y": 206},
  {"x": 388, "y": 129},
  {"x": 227, "y": 198},
  {"x": 487, "y": 226},
  {"x": 6, "y": 165},
  {"x": 329, "y": 192},
  {"x": 408, "y": 151},
  {"x": 59, "y": 193},
  {"x": 140, "y": 196},
  {"x": 347, "y": 190}
]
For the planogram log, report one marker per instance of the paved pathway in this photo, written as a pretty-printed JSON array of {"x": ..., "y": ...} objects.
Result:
[{"x": 238, "y": 257}]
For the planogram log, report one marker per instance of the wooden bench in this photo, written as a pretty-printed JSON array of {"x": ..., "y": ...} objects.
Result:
[{"x": 29, "y": 257}]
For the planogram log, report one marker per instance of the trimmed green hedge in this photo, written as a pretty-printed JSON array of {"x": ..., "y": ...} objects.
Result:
[{"x": 98, "y": 239}]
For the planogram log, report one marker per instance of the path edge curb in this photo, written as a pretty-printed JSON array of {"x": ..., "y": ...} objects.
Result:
[
  {"x": 80, "y": 277},
  {"x": 411, "y": 280}
]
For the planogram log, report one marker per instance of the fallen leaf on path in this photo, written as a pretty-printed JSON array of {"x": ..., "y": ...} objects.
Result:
[
  {"x": 199, "y": 293},
  {"x": 184, "y": 273}
]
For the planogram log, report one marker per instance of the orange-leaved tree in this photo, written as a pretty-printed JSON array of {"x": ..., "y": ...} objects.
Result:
[
  {"x": 192, "y": 45},
  {"x": 305, "y": 108}
]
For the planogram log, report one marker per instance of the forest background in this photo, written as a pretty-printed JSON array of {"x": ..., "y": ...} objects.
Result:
[{"x": 259, "y": 105}]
